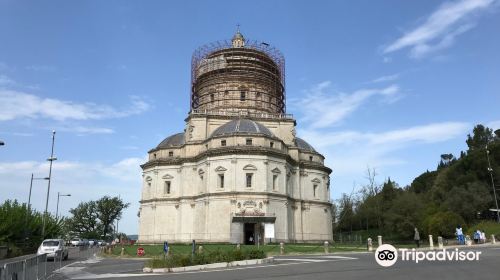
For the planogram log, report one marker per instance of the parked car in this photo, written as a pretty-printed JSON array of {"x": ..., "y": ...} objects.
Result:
[
  {"x": 77, "y": 242},
  {"x": 85, "y": 242},
  {"x": 102, "y": 243},
  {"x": 92, "y": 242},
  {"x": 53, "y": 247}
]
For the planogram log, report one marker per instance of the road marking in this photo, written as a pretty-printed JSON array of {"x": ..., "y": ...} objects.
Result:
[
  {"x": 302, "y": 260},
  {"x": 340, "y": 257}
]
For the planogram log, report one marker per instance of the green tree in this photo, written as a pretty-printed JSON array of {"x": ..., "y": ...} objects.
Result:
[
  {"x": 109, "y": 209},
  {"x": 84, "y": 222},
  {"x": 481, "y": 136}
]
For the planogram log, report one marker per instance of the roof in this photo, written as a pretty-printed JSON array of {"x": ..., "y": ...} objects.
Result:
[
  {"x": 303, "y": 145},
  {"x": 175, "y": 140},
  {"x": 242, "y": 126}
]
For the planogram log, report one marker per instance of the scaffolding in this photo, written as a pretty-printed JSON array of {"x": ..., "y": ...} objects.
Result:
[{"x": 249, "y": 78}]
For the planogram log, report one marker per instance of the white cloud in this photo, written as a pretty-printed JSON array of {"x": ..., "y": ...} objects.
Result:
[
  {"x": 439, "y": 30},
  {"x": 41, "y": 68},
  {"x": 6, "y": 81},
  {"x": 17, "y": 105},
  {"x": 387, "y": 78},
  {"x": 83, "y": 180},
  {"x": 84, "y": 130},
  {"x": 321, "y": 109},
  {"x": 494, "y": 125}
]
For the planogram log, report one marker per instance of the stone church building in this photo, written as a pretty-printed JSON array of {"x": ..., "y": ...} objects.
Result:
[{"x": 238, "y": 173}]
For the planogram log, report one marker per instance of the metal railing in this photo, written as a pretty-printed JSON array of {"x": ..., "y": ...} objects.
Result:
[{"x": 42, "y": 266}]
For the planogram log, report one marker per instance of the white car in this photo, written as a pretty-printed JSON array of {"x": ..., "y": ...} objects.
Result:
[
  {"x": 53, "y": 248},
  {"x": 76, "y": 242}
]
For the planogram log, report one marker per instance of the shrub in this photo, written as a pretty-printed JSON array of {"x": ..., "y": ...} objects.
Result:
[{"x": 444, "y": 224}]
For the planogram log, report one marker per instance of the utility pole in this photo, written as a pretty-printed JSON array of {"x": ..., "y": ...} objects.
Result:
[
  {"x": 51, "y": 159},
  {"x": 493, "y": 183}
]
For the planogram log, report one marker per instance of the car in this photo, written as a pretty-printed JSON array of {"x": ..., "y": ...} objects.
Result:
[
  {"x": 76, "y": 242},
  {"x": 92, "y": 242},
  {"x": 85, "y": 242},
  {"x": 101, "y": 243},
  {"x": 53, "y": 247}
]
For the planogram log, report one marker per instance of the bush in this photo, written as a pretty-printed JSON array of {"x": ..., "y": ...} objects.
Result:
[
  {"x": 179, "y": 260},
  {"x": 444, "y": 224},
  {"x": 489, "y": 228}
]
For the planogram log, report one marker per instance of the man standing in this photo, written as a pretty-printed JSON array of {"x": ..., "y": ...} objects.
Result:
[
  {"x": 416, "y": 237},
  {"x": 460, "y": 235}
]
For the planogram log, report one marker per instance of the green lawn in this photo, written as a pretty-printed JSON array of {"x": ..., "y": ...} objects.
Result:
[{"x": 270, "y": 250}]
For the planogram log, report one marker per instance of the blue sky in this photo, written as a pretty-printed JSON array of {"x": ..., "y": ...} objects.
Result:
[{"x": 388, "y": 85}]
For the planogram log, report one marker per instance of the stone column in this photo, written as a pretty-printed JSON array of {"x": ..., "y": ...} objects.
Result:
[
  {"x": 282, "y": 248},
  {"x": 200, "y": 249},
  {"x": 379, "y": 240},
  {"x": 431, "y": 242},
  {"x": 493, "y": 241},
  {"x": 468, "y": 241},
  {"x": 370, "y": 245},
  {"x": 327, "y": 249},
  {"x": 440, "y": 242}
]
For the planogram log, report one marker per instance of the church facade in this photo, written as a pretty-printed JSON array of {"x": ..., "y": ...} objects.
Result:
[{"x": 238, "y": 173}]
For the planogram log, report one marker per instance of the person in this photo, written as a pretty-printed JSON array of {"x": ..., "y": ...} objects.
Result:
[
  {"x": 460, "y": 235},
  {"x": 477, "y": 236},
  {"x": 416, "y": 237},
  {"x": 250, "y": 240},
  {"x": 483, "y": 237}
]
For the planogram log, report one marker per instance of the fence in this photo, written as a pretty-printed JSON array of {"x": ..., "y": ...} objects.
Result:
[{"x": 41, "y": 267}]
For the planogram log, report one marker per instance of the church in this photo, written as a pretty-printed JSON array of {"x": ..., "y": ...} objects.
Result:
[{"x": 238, "y": 173}]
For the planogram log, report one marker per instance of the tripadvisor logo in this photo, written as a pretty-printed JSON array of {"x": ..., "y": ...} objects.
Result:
[{"x": 386, "y": 255}]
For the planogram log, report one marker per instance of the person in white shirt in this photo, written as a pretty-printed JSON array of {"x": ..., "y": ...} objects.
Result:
[{"x": 460, "y": 235}]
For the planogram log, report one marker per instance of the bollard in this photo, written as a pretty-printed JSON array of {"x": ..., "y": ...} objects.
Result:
[
  {"x": 282, "y": 248},
  {"x": 110, "y": 250},
  {"x": 431, "y": 242},
  {"x": 370, "y": 245},
  {"x": 440, "y": 242},
  {"x": 327, "y": 248},
  {"x": 379, "y": 239},
  {"x": 493, "y": 241},
  {"x": 122, "y": 252},
  {"x": 238, "y": 246},
  {"x": 200, "y": 249},
  {"x": 468, "y": 241}
]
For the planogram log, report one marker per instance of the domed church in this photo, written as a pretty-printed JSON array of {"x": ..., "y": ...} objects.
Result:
[{"x": 238, "y": 173}]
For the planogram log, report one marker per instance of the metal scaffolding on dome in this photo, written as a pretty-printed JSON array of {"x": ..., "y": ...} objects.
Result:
[{"x": 235, "y": 79}]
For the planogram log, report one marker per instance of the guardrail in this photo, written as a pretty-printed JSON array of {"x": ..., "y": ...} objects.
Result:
[{"x": 40, "y": 267}]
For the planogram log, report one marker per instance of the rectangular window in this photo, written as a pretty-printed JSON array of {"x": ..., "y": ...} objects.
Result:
[
  {"x": 223, "y": 143},
  {"x": 167, "y": 187},
  {"x": 315, "y": 187},
  {"x": 170, "y": 154},
  {"x": 249, "y": 142},
  {"x": 275, "y": 182},
  {"x": 310, "y": 158},
  {"x": 249, "y": 180},
  {"x": 242, "y": 96},
  {"x": 271, "y": 144},
  {"x": 221, "y": 181},
  {"x": 212, "y": 97}
]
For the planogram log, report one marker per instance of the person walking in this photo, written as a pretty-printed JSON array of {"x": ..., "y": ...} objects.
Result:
[
  {"x": 460, "y": 235},
  {"x": 416, "y": 237}
]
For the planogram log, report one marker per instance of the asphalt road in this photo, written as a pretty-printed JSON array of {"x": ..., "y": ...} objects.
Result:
[{"x": 335, "y": 266}]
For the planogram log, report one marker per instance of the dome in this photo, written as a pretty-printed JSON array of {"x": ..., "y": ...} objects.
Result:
[
  {"x": 175, "y": 140},
  {"x": 303, "y": 145},
  {"x": 242, "y": 126}
]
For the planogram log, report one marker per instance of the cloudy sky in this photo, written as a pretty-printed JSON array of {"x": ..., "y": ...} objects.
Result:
[{"x": 388, "y": 85}]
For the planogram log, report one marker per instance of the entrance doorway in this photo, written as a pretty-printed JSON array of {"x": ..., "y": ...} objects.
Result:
[{"x": 249, "y": 233}]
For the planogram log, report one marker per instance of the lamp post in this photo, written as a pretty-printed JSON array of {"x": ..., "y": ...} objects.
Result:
[
  {"x": 492, "y": 183},
  {"x": 51, "y": 159},
  {"x": 1, "y": 143},
  {"x": 31, "y": 186},
  {"x": 57, "y": 208}
]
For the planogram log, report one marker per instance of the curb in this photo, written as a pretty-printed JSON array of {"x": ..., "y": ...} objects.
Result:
[{"x": 208, "y": 266}]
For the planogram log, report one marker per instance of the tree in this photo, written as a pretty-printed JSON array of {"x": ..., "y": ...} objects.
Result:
[
  {"x": 84, "y": 222},
  {"x": 481, "y": 136},
  {"x": 108, "y": 210}
]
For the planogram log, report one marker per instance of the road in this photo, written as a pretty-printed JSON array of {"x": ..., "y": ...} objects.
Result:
[{"x": 335, "y": 266}]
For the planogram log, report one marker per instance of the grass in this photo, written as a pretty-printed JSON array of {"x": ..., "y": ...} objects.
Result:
[{"x": 270, "y": 250}]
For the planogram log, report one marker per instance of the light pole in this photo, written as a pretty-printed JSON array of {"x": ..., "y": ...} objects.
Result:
[
  {"x": 57, "y": 208},
  {"x": 31, "y": 186},
  {"x": 493, "y": 183},
  {"x": 1, "y": 143},
  {"x": 51, "y": 159}
]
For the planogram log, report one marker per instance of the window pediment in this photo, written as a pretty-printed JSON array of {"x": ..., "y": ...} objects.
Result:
[
  {"x": 167, "y": 176},
  {"x": 276, "y": 170},
  {"x": 149, "y": 179},
  {"x": 316, "y": 180},
  {"x": 220, "y": 169},
  {"x": 250, "y": 167}
]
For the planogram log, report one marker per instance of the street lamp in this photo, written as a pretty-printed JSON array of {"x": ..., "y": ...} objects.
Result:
[
  {"x": 31, "y": 186},
  {"x": 57, "y": 208},
  {"x": 492, "y": 183},
  {"x": 51, "y": 159},
  {"x": 1, "y": 143}
]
